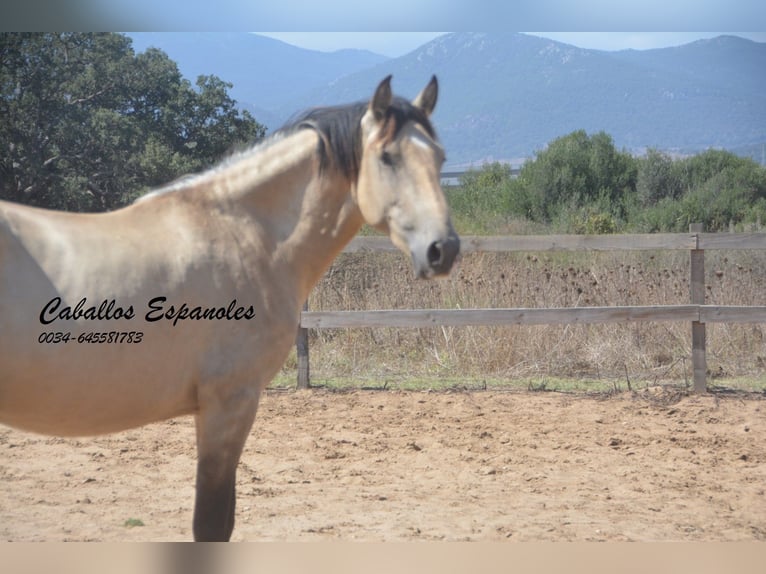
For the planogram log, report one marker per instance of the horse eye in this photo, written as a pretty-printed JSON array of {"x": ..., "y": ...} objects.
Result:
[{"x": 387, "y": 159}]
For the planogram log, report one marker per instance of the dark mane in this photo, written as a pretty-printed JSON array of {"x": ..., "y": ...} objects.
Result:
[{"x": 340, "y": 144}]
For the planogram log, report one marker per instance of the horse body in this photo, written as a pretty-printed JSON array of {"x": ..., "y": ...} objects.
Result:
[
  {"x": 179, "y": 245},
  {"x": 244, "y": 243}
]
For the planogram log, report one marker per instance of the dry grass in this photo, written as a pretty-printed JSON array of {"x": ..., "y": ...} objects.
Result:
[{"x": 618, "y": 355}]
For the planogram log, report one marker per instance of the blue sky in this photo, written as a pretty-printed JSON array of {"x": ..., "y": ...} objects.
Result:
[{"x": 395, "y": 44}]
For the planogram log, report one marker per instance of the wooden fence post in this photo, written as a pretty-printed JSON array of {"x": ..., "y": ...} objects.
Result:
[
  {"x": 697, "y": 292},
  {"x": 302, "y": 350}
]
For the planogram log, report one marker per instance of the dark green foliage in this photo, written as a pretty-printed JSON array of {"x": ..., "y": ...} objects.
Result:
[
  {"x": 88, "y": 125},
  {"x": 482, "y": 200},
  {"x": 716, "y": 188},
  {"x": 574, "y": 173},
  {"x": 658, "y": 177},
  {"x": 582, "y": 184}
]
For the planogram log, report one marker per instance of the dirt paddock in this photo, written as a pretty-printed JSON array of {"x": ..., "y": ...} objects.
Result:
[{"x": 394, "y": 466}]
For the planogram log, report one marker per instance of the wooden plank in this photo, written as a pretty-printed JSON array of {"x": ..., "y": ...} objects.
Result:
[
  {"x": 732, "y": 314},
  {"x": 697, "y": 282},
  {"x": 514, "y": 243},
  {"x": 416, "y": 318},
  {"x": 302, "y": 352},
  {"x": 635, "y": 242},
  {"x": 697, "y": 297},
  {"x": 466, "y": 317},
  {"x": 732, "y": 240}
]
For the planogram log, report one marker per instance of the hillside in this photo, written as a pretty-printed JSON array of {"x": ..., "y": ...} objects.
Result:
[
  {"x": 506, "y": 95},
  {"x": 265, "y": 72}
]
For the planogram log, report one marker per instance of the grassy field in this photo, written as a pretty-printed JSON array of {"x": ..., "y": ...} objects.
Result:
[{"x": 600, "y": 358}]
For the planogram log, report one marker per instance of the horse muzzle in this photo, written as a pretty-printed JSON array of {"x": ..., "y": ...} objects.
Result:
[{"x": 437, "y": 258}]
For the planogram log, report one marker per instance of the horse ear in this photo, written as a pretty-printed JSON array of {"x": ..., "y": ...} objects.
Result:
[
  {"x": 426, "y": 99},
  {"x": 381, "y": 101}
]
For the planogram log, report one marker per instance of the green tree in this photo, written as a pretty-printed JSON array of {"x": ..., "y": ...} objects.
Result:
[
  {"x": 722, "y": 190},
  {"x": 484, "y": 190},
  {"x": 481, "y": 201},
  {"x": 577, "y": 172},
  {"x": 658, "y": 177},
  {"x": 88, "y": 125},
  {"x": 716, "y": 188}
]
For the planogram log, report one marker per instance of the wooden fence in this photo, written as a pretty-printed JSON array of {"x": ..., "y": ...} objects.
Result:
[{"x": 696, "y": 312}]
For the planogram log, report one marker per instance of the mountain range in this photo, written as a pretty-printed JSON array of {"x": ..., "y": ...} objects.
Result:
[{"x": 504, "y": 96}]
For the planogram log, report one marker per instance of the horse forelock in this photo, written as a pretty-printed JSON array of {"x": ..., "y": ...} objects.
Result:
[{"x": 398, "y": 114}]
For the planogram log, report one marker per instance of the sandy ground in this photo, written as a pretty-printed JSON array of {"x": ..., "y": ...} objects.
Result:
[{"x": 393, "y": 466}]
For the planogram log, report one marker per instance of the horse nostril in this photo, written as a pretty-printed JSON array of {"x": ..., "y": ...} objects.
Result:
[
  {"x": 440, "y": 256},
  {"x": 434, "y": 254}
]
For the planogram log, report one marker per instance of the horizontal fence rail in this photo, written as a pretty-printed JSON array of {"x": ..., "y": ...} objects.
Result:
[
  {"x": 419, "y": 318},
  {"x": 697, "y": 313},
  {"x": 635, "y": 242}
]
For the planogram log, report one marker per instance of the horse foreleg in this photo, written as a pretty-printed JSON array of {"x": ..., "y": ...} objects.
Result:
[
  {"x": 221, "y": 436},
  {"x": 215, "y": 502}
]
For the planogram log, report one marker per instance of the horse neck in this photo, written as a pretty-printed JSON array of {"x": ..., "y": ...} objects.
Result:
[{"x": 304, "y": 217}]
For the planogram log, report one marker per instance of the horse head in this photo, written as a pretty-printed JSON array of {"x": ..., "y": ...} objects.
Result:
[{"x": 398, "y": 189}]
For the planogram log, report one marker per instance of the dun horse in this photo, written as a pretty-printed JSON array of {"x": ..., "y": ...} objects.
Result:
[{"x": 188, "y": 300}]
